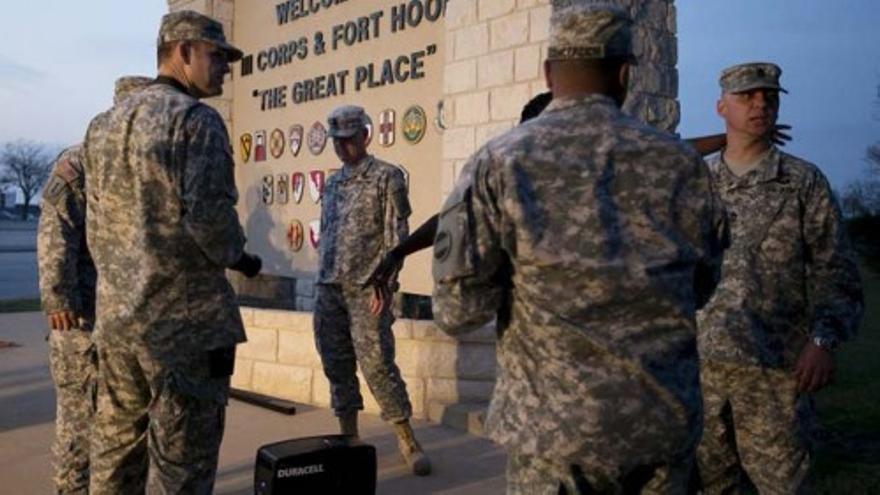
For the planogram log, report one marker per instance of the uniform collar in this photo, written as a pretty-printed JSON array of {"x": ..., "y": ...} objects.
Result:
[
  {"x": 359, "y": 170},
  {"x": 577, "y": 100},
  {"x": 174, "y": 83},
  {"x": 768, "y": 170}
]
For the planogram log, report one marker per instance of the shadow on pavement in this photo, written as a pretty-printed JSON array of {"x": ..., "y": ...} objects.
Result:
[
  {"x": 32, "y": 406},
  {"x": 20, "y": 377}
]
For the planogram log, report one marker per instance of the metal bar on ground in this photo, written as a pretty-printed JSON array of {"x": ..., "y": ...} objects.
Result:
[{"x": 272, "y": 403}]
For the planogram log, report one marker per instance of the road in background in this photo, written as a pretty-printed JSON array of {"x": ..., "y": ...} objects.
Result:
[{"x": 18, "y": 260}]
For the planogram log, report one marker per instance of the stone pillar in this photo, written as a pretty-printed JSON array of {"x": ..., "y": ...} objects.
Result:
[
  {"x": 223, "y": 11},
  {"x": 653, "y": 96},
  {"x": 495, "y": 51}
]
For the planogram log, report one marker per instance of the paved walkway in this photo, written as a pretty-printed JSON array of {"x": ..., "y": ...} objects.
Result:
[{"x": 463, "y": 464}]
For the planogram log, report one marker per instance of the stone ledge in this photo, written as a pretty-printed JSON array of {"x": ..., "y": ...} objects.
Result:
[
  {"x": 283, "y": 381},
  {"x": 262, "y": 344},
  {"x": 282, "y": 319},
  {"x": 465, "y": 416},
  {"x": 280, "y": 360},
  {"x": 446, "y": 360},
  {"x": 426, "y": 330}
]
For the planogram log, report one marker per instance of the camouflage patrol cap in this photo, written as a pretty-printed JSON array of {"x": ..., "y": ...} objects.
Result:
[
  {"x": 744, "y": 77},
  {"x": 126, "y": 85},
  {"x": 346, "y": 121},
  {"x": 584, "y": 29},
  {"x": 188, "y": 25}
]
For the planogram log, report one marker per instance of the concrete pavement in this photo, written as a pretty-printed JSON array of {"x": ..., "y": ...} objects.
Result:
[{"x": 463, "y": 464}]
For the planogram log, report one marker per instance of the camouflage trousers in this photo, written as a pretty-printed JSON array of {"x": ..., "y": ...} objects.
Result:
[
  {"x": 532, "y": 475},
  {"x": 72, "y": 363},
  {"x": 755, "y": 421},
  {"x": 158, "y": 424},
  {"x": 346, "y": 334}
]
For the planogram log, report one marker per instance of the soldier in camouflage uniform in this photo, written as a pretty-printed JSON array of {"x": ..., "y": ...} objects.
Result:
[
  {"x": 67, "y": 289},
  {"x": 162, "y": 229},
  {"x": 613, "y": 237},
  {"x": 790, "y": 292},
  {"x": 364, "y": 211}
]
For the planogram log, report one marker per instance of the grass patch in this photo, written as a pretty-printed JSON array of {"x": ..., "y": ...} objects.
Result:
[
  {"x": 848, "y": 454},
  {"x": 19, "y": 305}
]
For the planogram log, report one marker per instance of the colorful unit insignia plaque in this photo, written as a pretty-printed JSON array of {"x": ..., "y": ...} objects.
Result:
[
  {"x": 276, "y": 143},
  {"x": 268, "y": 189},
  {"x": 282, "y": 188},
  {"x": 245, "y": 143},
  {"x": 414, "y": 124},
  {"x": 260, "y": 146},
  {"x": 316, "y": 184},
  {"x": 297, "y": 186},
  {"x": 317, "y": 138},
  {"x": 295, "y": 139},
  {"x": 386, "y": 127},
  {"x": 314, "y": 233},
  {"x": 295, "y": 235}
]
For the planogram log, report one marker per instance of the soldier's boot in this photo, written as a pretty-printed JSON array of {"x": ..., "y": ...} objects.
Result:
[
  {"x": 411, "y": 450},
  {"x": 348, "y": 424}
]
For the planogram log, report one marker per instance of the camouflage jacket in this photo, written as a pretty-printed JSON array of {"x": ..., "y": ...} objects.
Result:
[
  {"x": 790, "y": 272},
  {"x": 612, "y": 233},
  {"x": 162, "y": 225},
  {"x": 67, "y": 273},
  {"x": 364, "y": 212}
]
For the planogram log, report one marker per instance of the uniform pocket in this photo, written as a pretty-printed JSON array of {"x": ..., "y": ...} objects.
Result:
[
  {"x": 71, "y": 357},
  {"x": 188, "y": 418}
]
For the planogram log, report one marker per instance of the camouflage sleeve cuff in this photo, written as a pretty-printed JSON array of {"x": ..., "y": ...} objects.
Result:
[
  {"x": 57, "y": 305},
  {"x": 826, "y": 332}
]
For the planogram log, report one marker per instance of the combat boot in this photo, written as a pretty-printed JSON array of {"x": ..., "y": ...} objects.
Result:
[
  {"x": 411, "y": 450},
  {"x": 348, "y": 424}
]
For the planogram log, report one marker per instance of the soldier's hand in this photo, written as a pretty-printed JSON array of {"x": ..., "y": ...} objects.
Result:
[
  {"x": 383, "y": 272},
  {"x": 381, "y": 299},
  {"x": 62, "y": 320},
  {"x": 814, "y": 369},
  {"x": 249, "y": 265},
  {"x": 779, "y": 134}
]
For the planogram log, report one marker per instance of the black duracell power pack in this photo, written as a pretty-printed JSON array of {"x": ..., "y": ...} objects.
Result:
[{"x": 332, "y": 464}]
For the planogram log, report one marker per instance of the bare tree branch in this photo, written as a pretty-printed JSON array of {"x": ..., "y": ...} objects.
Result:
[
  {"x": 26, "y": 166},
  {"x": 861, "y": 198},
  {"x": 873, "y": 156}
]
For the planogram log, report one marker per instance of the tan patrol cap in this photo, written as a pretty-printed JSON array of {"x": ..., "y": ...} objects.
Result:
[
  {"x": 346, "y": 121},
  {"x": 126, "y": 85},
  {"x": 753, "y": 75},
  {"x": 188, "y": 25},
  {"x": 584, "y": 29}
]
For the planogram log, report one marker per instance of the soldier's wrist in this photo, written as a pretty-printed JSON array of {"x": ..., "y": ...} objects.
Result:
[
  {"x": 249, "y": 265},
  {"x": 395, "y": 254},
  {"x": 56, "y": 310},
  {"x": 826, "y": 343}
]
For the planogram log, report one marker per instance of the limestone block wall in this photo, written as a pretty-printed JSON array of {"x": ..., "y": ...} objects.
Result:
[
  {"x": 280, "y": 360},
  {"x": 495, "y": 51},
  {"x": 494, "y": 56}
]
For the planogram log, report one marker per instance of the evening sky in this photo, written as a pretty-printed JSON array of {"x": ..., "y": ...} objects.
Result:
[{"x": 61, "y": 57}]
